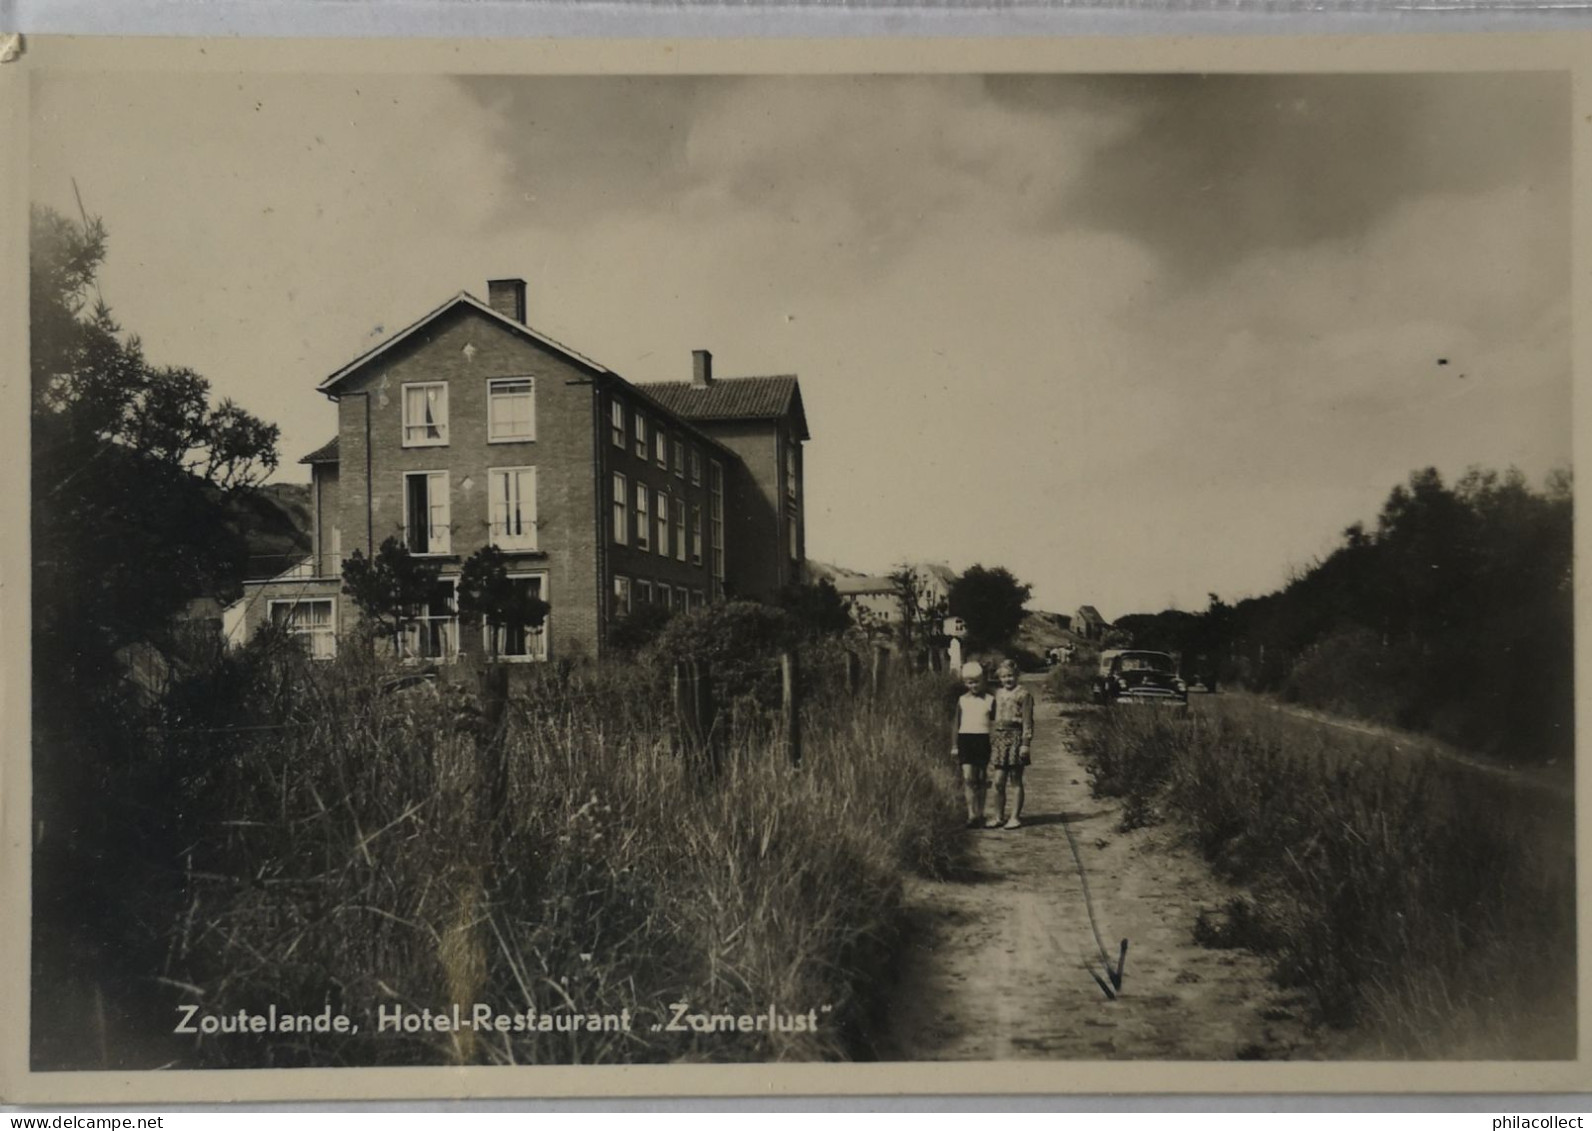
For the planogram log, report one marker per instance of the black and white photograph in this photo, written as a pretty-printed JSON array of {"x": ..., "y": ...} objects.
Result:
[{"x": 575, "y": 567}]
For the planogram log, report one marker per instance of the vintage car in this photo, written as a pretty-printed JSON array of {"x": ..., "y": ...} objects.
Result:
[{"x": 1133, "y": 676}]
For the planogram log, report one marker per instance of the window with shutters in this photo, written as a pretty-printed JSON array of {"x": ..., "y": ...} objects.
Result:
[
  {"x": 513, "y": 494},
  {"x": 427, "y": 528}
]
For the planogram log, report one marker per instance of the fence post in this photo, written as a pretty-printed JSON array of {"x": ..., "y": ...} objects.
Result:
[
  {"x": 680, "y": 695},
  {"x": 876, "y": 675},
  {"x": 790, "y": 678},
  {"x": 705, "y": 709}
]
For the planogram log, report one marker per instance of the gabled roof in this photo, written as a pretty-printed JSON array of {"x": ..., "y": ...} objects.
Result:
[
  {"x": 855, "y": 586},
  {"x": 734, "y": 398},
  {"x": 466, "y": 299},
  {"x": 1089, "y": 612},
  {"x": 326, "y": 453}
]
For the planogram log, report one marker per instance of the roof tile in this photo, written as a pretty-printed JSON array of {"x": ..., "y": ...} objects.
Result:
[{"x": 732, "y": 398}]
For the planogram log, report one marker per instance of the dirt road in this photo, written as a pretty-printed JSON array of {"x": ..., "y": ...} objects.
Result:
[{"x": 1000, "y": 965}]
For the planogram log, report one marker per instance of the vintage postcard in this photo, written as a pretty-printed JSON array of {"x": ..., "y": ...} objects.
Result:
[{"x": 576, "y": 568}]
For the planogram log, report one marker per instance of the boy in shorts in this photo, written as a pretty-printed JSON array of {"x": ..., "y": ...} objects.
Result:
[{"x": 974, "y": 713}]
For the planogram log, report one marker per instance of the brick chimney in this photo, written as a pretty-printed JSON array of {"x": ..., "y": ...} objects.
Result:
[
  {"x": 701, "y": 369},
  {"x": 507, "y": 297}
]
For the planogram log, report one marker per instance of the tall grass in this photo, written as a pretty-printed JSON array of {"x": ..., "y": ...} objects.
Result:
[
  {"x": 361, "y": 860},
  {"x": 1428, "y": 904}
]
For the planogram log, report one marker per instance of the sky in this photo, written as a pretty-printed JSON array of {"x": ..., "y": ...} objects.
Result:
[{"x": 1135, "y": 338}]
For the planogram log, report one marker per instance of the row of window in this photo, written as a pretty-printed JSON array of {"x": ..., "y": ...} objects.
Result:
[
  {"x": 428, "y": 519},
  {"x": 630, "y": 594},
  {"x": 431, "y": 635},
  {"x": 510, "y": 412},
  {"x": 634, "y": 524},
  {"x": 666, "y": 452}
]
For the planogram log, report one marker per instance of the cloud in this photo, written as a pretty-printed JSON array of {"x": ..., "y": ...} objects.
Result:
[{"x": 1214, "y": 169}]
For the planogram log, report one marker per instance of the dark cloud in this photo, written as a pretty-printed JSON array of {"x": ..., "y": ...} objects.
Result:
[
  {"x": 1215, "y": 168},
  {"x": 1204, "y": 171},
  {"x": 582, "y": 144}
]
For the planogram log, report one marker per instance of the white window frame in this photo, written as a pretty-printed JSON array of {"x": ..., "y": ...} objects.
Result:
[
  {"x": 542, "y": 635},
  {"x": 665, "y": 595},
  {"x": 435, "y": 544},
  {"x": 641, "y": 435},
  {"x": 696, "y": 534},
  {"x": 624, "y": 596},
  {"x": 679, "y": 459},
  {"x": 441, "y": 426},
  {"x": 616, "y": 423},
  {"x": 660, "y": 446},
  {"x": 643, "y": 592},
  {"x": 643, "y": 517},
  {"x": 451, "y": 629},
  {"x": 499, "y": 534},
  {"x": 311, "y": 633},
  {"x": 621, "y": 509},
  {"x": 697, "y": 599},
  {"x": 492, "y": 397},
  {"x": 682, "y": 600},
  {"x": 661, "y": 517},
  {"x": 679, "y": 530},
  {"x": 696, "y": 466}
]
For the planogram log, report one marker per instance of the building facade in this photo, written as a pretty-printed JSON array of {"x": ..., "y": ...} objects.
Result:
[{"x": 469, "y": 428}]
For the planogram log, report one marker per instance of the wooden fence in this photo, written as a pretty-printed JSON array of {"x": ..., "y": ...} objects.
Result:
[{"x": 698, "y": 716}]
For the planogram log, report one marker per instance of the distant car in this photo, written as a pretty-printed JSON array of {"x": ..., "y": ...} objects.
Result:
[{"x": 1131, "y": 676}]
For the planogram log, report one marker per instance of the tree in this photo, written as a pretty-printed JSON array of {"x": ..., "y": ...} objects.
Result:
[
  {"x": 922, "y": 609},
  {"x": 132, "y": 467},
  {"x": 390, "y": 588},
  {"x": 817, "y": 609},
  {"x": 488, "y": 594},
  {"x": 991, "y": 602}
]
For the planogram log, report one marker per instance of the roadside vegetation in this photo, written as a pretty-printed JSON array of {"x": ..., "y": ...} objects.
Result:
[
  {"x": 328, "y": 843},
  {"x": 1427, "y": 904},
  {"x": 1452, "y": 615}
]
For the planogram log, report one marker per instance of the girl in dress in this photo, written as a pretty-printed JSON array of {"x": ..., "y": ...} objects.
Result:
[{"x": 1010, "y": 739}]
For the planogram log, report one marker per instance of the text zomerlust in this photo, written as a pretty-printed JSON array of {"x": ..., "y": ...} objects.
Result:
[{"x": 483, "y": 1018}]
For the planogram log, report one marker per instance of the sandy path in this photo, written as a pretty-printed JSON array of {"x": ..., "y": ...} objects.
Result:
[{"x": 999, "y": 966}]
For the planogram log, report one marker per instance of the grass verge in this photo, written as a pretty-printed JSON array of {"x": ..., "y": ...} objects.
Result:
[
  {"x": 1426, "y": 903},
  {"x": 372, "y": 861}
]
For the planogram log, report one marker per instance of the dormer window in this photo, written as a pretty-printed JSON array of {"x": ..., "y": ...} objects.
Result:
[
  {"x": 425, "y": 414},
  {"x": 511, "y": 409}
]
